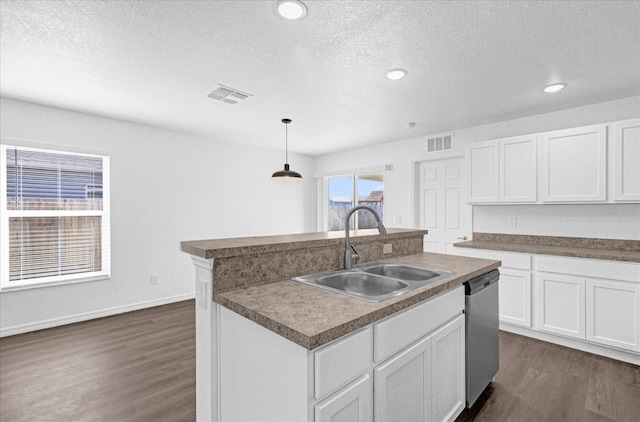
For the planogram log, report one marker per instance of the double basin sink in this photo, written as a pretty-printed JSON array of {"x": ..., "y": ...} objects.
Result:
[{"x": 374, "y": 282}]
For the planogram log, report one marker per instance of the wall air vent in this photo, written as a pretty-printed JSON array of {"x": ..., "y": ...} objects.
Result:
[
  {"x": 227, "y": 95},
  {"x": 443, "y": 142}
]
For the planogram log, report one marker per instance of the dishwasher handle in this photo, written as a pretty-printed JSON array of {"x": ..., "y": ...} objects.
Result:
[{"x": 479, "y": 283}]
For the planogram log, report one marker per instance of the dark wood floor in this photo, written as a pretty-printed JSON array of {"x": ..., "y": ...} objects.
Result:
[
  {"x": 540, "y": 381},
  {"x": 140, "y": 366}
]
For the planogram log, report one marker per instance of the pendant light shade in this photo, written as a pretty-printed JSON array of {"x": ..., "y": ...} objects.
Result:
[{"x": 286, "y": 174}]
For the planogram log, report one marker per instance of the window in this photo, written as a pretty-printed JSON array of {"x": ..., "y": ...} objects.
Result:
[
  {"x": 368, "y": 189},
  {"x": 55, "y": 216}
]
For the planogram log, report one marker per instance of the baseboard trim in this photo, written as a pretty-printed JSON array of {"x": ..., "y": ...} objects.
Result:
[
  {"x": 596, "y": 349},
  {"x": 56, "y": 322}
]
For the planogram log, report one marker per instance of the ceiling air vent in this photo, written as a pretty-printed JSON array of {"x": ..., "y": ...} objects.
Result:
[
  {"x": 442, "y": 142},
  {"x": 227, "y": 95}
]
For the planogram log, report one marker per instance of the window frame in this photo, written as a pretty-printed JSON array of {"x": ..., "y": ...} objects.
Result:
[
  {"x": 353, "y": 174},
  {"x": 104, "y": 214}
]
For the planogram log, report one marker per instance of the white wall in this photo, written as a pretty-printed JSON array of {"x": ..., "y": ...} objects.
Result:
[
  {"x": 403, "y": 154},
  {"x": 165, "y": 187},
  {"x": 604, "y": 221}
]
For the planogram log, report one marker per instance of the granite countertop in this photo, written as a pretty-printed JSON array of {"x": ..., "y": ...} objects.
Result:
[
  {"x": 607, "y": 249},
  {"x": 312, "y": 317},
  {"x": 219, "y": 248}
]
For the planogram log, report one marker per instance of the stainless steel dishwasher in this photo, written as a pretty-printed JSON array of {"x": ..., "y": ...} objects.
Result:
[{"x": 481, "y": 325}]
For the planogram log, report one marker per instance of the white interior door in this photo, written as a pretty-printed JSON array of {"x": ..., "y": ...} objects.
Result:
[{"x": 443, "y": 210}]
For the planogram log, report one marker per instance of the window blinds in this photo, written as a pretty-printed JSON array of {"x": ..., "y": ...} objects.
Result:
[{"x": 55, "y": 212}]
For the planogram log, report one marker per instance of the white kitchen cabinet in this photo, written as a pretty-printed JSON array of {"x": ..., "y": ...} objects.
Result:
[
  {"x": 613, "y": 313},
  {"x": 626, "y": 152},
  {"x": 515, "y": 297},
  {"x": 514, "y": 288},
  {"x": 503, "y": 170},
  {"x": 354, "y": 403},
  {"x": 484, "y": 172},
  {"x": 420, "y": 354},
  {"x": 425, "y": 382},
  {"x": 574, "y": 165},
  {"x": 560, "y": 304},
  {"x": 448, "y": 371},
  {"x": 403, "y": 385},
  {"x": 518, "y": 169}
]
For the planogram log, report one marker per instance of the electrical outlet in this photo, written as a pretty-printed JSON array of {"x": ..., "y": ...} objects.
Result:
[
  {"x": 512, "y": 222},
  {"x": 387, "y": 248},
  {"x": 397, "y": 219},
  {"x": 155, "y": 278}
]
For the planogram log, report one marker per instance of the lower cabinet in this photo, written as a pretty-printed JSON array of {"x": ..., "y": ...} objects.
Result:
[
  {"x": 580, "y": 302},
  {"x": 353, "y": 403},
  {"x": 448, "y": 371},
  {"x": 515, "y": 297},
  {"x": 402, "y": 385},
  {"x": 425, "y": 382},
  {"x": 514, "y": 292},
  {"x": 613, "y": 313},
  {"x": 417, "y": 372},
  {"x": 561, "y": 304}
]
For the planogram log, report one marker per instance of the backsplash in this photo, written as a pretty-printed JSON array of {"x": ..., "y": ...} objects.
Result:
[
  {"x": 238, "y": 271},
  {"x": 604, "y": 221}
]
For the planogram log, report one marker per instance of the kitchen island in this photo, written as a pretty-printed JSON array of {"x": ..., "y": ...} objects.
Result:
[{"x": 270, "y": 348}]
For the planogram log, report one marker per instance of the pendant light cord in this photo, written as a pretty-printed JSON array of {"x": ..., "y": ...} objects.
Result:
[{"x": 286, "y": 142}]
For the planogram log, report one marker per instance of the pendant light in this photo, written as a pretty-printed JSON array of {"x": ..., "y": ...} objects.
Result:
[{"x": 286, "y": 174}]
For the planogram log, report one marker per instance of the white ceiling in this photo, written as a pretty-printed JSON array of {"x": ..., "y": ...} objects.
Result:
[{"x": 469, "y": 63}]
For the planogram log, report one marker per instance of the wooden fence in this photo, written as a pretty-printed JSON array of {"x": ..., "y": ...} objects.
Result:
[{"x": 366, "y": 220}]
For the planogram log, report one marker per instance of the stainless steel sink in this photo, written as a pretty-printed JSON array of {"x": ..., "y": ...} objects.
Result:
[
  {"x": 402, "y": 272},
  {"x": 374, "y": 282},
  {"x": 362, "y": 284}
]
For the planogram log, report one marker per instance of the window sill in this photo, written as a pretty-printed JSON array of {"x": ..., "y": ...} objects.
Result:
[{"x": 7, "y": 289}]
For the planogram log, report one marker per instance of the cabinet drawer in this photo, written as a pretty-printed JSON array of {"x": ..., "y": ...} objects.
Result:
[
  {"x": 625, "y": 271},
  {"x": 338, "y": 363},
  {"x": 397, "y": 332},
  {"x": 509, "y": 259}
]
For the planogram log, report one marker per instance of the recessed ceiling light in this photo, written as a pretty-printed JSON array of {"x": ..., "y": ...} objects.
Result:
[
  {"x": 292, "y": 10},
  {"x": 395, "y": 74},
  {"x": 550, "y": 89}
]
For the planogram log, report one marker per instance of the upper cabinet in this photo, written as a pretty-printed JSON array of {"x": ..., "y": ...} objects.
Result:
[
  {"x": 591, "y": 164},
  {"x": 483, "y": 171},
  {"x": 574, "y": 165},
  {"x": 626, "y": 155},
  {"x": 503, "y": 170}
]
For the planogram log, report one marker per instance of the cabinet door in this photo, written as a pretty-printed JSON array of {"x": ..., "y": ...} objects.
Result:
[
  {"x": 483, "y": 171},
  {"x": 560, "y": 304},
  {"x": 626, "y": 151},
  {"x": 351, "y": 404},
  {"x": 574, "y": 165},
  {"x": 402, "y": 387},
  {"x": 613, "y": 313},
  {"x": 515, "y": 297},
  {"x": 518, "y": 170},
  {"x": 448, "y": 371}
]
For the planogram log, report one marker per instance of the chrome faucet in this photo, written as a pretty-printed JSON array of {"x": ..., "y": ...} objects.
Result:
[{"x": 348, "y": 255}]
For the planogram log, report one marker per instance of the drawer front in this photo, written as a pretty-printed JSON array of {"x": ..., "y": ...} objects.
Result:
[
  {"x": 340, "y": 362},
  {"x": 509, "y": 259},
  {"x": 400, "y": 330},
  {"x": 624, "y": 271}
]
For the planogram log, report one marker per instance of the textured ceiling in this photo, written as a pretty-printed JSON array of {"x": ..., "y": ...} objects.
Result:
[{"x": 469, "y": 63}]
